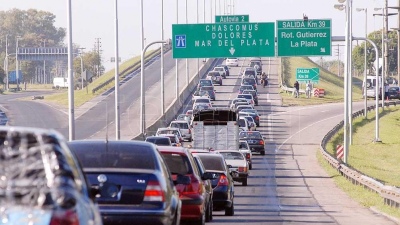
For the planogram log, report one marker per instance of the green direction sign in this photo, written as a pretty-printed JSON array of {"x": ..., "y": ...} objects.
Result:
[
  {"x": 232, "y": 19},
  {"x": 223, "y": 40},
  {"x": 304, "y": 37},
  {"x": 307, "y": 74}
]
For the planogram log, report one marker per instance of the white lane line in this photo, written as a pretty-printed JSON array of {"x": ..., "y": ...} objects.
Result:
[{"x": 310, "y": 125}]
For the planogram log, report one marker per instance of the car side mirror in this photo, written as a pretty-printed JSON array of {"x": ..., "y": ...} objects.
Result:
[{"x": 182, "y": 179}]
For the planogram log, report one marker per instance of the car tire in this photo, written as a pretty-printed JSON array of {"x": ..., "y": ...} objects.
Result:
[
  {"x": 262, "y": 152},
  {"x": 250, "y": 166},
  {"x": 230, "y": 211},
  {"x": 244, "y": 182}
]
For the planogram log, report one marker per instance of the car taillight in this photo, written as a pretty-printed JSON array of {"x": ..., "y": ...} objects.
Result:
[
  {"x": 242, "y": 169},
  {"x": 68, "y": 217},
  {"x": 247, "y": 155},
  {"x": 223, "y": 181},
  {"x": 261, "y": 142},
  {"x": 153, "y": 192},
  {"x": 257, "y": 118}
]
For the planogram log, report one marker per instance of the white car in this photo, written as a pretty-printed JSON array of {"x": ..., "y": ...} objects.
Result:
[
  {"x": 184, "y": 127},
  {"x": 221, "y": 71},
  {"x": 203, "y": 101},
  {"x": 238, "y": 163},
  {"x": 233, "y": 106},
  {"x": 232, "y": 62},
  {"x": 244, "y": 148}
]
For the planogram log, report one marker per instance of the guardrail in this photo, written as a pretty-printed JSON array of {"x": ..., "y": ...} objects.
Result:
[
  {"x": 131, "y": 68},
  {"x": 390, "y": 194}
]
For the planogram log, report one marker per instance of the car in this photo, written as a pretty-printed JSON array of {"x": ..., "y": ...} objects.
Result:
[
  {"x": 159, "y": 140},
  {"x": 257, "y": 66},
  {"x": 133, "y": 181},
  {"x": 249, "y": 72},
  {"x": 199, "y": 107},
  {"x": 199, "y": 94},
  {"x": 170, "y": 130},
  {"x": 255, "y": 116},
  {"x": 232, "y": 62},
  {"x": 245, "y": 87},
  {"x": 210, "y": 90},
  {"x": 235, "y": 100},
  {"x": 248, "y": 97},
  {"x": 249, "y": 81},
  {"x": 222, "y": 184},
  {"x": 202, "y": 100},
  {"x": 244, "y": 124},
  {"x": 196, "y": 201},
  {"x": 221, "y": 71},
  {"x": 254, "y": 93},
  {"x": 255, "y": 141},
  {"x": 394, "y": 92},
  {"x": 174, "y": 139},
  {"x": 43, "y": 182},
  {"x": 251, "y": 111},
  {"x": 252, "y": 123},
  {"x": 227, "y": 72},
  {"x": 207, "y": 186},
  {"x": 245, "y": 149},
  {"x": 184, "y": 127},
  {"x": 238, "y": 104},
  {"x": 184, "y": 117},
  {"x": 236, "y": 162},
  {"x": 204, "y": 82},
  {"x": 215, "y": 77},
  {"x": 241, "y": 107}
]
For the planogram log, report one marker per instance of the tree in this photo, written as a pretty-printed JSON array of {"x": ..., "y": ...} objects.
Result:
[
  {"x": 36, "y": 29},
  {"x": 376, "y": 37}
]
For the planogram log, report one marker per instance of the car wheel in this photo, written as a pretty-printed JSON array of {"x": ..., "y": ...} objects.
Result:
[
  {"x": 250, "y": 166},
  {"x": 230, "y": 211},
  {"x": 262, "y": 152},
  {"x": 244, "y": 182}
]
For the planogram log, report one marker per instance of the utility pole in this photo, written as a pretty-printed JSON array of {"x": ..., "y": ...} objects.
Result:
[
  {"x": 97, "y": 46},
  {"x": 386, "y": 45}
]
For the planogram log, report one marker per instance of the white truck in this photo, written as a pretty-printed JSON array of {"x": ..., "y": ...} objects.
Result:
[
  {"x": 371, "y": 86},
  {"x": 60, "y": 82},
  {"x": 215, "y": 129}
]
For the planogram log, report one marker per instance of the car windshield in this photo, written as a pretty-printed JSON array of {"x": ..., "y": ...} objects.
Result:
[
  {"x": 177, "y": 164},
  {"x": 250, "y": 135},
  {"x": 232, "y": 155},
  {"x": 180, "y": 125}
]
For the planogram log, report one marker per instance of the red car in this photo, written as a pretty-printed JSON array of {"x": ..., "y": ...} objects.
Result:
[{"x": 196, "y": 201}]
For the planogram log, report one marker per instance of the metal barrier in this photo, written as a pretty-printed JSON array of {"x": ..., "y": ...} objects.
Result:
[{"x": 390, "y": 194}]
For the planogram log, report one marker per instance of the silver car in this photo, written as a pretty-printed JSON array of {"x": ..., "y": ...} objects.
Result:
[{"x": 184, "y": 127}]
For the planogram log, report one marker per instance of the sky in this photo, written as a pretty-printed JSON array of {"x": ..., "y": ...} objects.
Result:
[{"x": 93, "y": 19}]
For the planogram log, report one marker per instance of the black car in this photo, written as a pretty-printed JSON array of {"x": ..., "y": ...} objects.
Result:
[
  {"x": 133, "y": 181},
  {"x": 394, "y": 93},
  {"x": 255, "y": 116},
  {"x": 204, "y": 82},
  {"x": 206, "y": 183},
  {"x": 254, "y": 93},
  {"x": 159, "y": 140},
  {"x": 222, "y": 184},
  {"x": 210, "y": 90},
  {"x": 45, "y": 183},
  {"x": 249, "y": 81},
  {"x": 254, "y": 139},
  {"x": 226, "y": 69}
]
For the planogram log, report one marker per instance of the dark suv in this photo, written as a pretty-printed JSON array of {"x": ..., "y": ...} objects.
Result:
[
  {"x": 254, "y": 139},
  {"x": 133, "y": 181},
  {"x": 45, "y": 183}
]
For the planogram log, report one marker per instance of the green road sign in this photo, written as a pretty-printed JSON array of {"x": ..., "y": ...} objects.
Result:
[
  {"x": 304, "y": 37},
  {"x": 223, "y": 40},
  {"x": 307, "y": 74},
  {"x": 232, "y": 19}
]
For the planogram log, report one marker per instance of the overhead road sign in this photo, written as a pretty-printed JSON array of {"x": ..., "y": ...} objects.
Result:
[
  {"x": 223, "y": 40},
  {"x": 304, "y": 37},
  {"x": 46, "y": 53},
  {"x": 232, "y": 19},
  {"x": 307, "y": 74}
]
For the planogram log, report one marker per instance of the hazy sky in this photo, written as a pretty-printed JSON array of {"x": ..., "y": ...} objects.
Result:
[{"x": 95, "y": 18}]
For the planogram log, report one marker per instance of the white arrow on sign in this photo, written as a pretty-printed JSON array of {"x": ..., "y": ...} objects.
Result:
[{"x": 232, "y": 51}]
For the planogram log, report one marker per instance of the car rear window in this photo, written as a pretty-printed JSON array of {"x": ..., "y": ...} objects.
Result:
[
  {"x": 159, "y": 141},
  {"x": 250, "y": 135},
  {"x": 167, "y": 132},
  {"x": 247, "y": 96},
  {"x": 202, "y": 100},
  {"x": 249, "y": 72},
  {"x": 250, "y": 81},
  {"x": 180, "y": 125},
  {"x": 177, "y": 163},
  {"x": 232, "y": 155},
  {"x": 205, "y": 82},
  {"x": 206, "y": 88},
  {"x": 211, "y": 162},
  {"x": 114, "y": 155}
]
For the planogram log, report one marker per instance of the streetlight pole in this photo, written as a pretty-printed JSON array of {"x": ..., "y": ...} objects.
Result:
[
  {"x": 176, "y": 60},
  {"x": 6, "y": 63},
  {"x": 365, "y": 60},
  {"x": 116, "y": 76},
  {"x": 162, "y": 59},
  {"x": 197, "y": 13},
  {"x": 70, "y": 74},
  {"x": 142, "y": 96},
  {"x": 17, "y": 63},
  {"x": 398, "y": 39},
  {"x": 187, "y": 62}
]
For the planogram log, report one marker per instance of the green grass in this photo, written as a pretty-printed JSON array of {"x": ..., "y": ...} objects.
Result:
[
  {"x": 82, "y": 96},
  {"x": 358, "y": 193},
  {"x": 377, "y": 160},
  {"x": 331, "y": 83}
]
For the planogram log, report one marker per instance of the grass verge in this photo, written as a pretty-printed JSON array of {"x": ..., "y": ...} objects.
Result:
[{"x": 331, "y": 83}]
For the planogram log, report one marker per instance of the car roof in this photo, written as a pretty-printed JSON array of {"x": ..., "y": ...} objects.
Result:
[
  {"x": 167, "y": 128},
  {"x": 249, "y": 132},
  {"x": 156, "y": 137},
  {"x": 178, "y": 150}
]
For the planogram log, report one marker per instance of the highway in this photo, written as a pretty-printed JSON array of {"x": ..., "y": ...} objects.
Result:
[{"x": 287, "y": 185}]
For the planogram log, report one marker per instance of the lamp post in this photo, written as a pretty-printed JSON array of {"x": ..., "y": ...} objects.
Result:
[
  {"x": 70, "y": 74},
  {"x": 176, "y": 60},
  {"x": 6, "y": 63},
  {"x": 398, "y": 40},
  {"x": 116, "y": 75},
  {"x": 142, "y": 96},
  {"x": 365, "y": 59},
  {"x": 162, "y": 59},
  {"x": 187, "y": 62}
]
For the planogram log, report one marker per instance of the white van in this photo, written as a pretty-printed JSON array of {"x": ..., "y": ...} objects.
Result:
[{"x": 60, "y": 82}]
